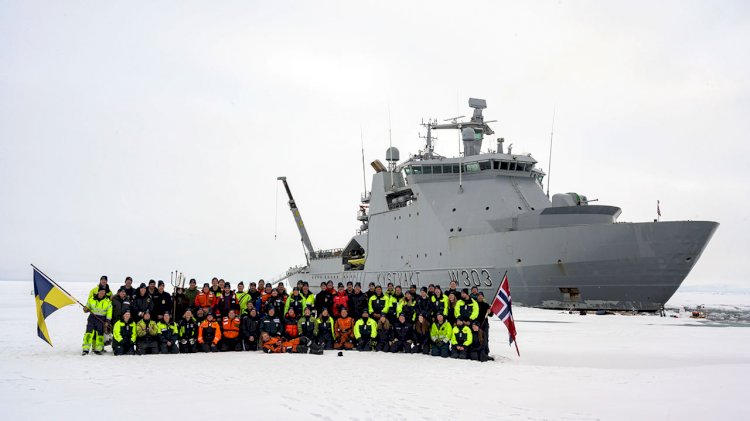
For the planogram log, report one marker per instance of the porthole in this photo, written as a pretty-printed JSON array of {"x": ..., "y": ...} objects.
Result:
[
  {"x": 519, "y": 208},
  {"x": 532, "y": 209},
  {"x": 687, "y": 259},
  {"x": 454, "y": 209},
  {"x": 451, "y": 229},
  {"x": 460, "y": 229},
  {"x": 518, "y": 260},
  {"x": 487, "y": 208}
]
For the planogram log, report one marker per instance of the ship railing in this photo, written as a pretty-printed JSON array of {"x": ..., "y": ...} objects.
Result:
[
  {"x": 288, "y": 273},
  {"x": 323, "y": 254}
]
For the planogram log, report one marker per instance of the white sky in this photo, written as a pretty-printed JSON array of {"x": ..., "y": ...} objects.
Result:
[{"x": 140, "y": 137}]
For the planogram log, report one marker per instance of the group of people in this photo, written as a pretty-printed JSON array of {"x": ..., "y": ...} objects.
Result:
[{"x": 216, "y": 317}]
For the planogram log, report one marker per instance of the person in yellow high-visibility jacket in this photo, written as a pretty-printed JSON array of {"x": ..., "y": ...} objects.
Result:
[
  {"x": 124, "y": 334},
  {"x": 99, "y": 308},
  {"x": 365, "y": 332}
]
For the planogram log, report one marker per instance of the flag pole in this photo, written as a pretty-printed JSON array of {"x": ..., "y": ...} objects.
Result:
[{"x": 69, "y": 294}]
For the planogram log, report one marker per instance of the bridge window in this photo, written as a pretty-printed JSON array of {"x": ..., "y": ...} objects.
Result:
[
  {"x": 520, "y": 166},
  {"x": 511, "y": 166},
  {"x": 417, "y": 169},
  {"x": 437, "y": 169},
  {"x": 427, "y": 169},
  {"x": 472, "y": 167},
  {"x": 485, "y": 165},
  {"x": 504, "y": 165},
  {"x": 407, "y": 170}
]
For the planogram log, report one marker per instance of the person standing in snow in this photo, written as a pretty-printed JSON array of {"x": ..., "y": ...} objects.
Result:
[
  {"x": 100, "y": 309},
  {"x": 141, "y": 303},
  {"x": 120, "y": 303}
]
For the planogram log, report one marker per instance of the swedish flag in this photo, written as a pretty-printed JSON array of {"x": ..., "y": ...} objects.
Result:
[{"x": 49, "y": 298}]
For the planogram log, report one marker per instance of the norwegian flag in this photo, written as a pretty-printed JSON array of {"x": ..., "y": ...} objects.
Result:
[{"x": 501, "y": 306}]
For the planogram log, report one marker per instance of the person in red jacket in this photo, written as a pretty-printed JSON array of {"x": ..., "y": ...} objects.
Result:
[
  {"x": 341, "y": 299},
  {"x": 209, "y": 334},
  {"x": 205, "y": 299},
  {"x": 230, "y": 333}
]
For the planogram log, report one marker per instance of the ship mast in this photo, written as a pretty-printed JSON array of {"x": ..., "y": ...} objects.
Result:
[{"x": 297, "y": 218}]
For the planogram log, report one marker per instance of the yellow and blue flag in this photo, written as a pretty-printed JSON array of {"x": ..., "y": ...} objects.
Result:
[{"x": 49, "y": 298}]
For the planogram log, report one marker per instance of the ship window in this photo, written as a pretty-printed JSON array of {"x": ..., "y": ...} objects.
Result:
[
  {"x": 504, "y": 165},
  {"x": 484, "y": 165},
  {"x": 417, "y": 169},
  {"x": 407, "y": 170},
  {"x": 472, "y": 167},
  {"x": 495, "y": 165},
  {"x": 520, "y": 166},
  {"x": 426, "y": 169},
  {"x": 512, "y": 166},
  {"x": 437, "y": 169},
  {"x": 455, "y": 169}
]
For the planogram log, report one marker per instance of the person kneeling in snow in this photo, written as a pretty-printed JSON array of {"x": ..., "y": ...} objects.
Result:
[
  {"x": 124, "y": 335},
  {"x": 277, "y": 345},
  {"x": 366, "y": 332},
  {"x": 461, "y": 341},
  {"x": 188, "y": 331},
  {"x": 344, "y": 326},
  {"x": 148, "y": 335},
  {"x": 209, "y": 334},
  {"x": 168, "y": 335},
  {"x": 230, "y": 332},
  {"x": 441, "y": 334}
]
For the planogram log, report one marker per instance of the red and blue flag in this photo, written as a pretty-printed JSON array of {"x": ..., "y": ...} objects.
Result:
[{"x": 501, "y": 306}]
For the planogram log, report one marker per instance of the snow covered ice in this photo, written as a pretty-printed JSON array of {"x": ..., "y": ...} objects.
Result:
[{"x": 571, "y": 367}]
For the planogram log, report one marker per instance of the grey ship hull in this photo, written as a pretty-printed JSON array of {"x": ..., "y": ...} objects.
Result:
[{"x": 619, "y": 266}]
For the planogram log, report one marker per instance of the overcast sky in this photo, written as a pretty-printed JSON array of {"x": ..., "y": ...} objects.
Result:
[{"x": 141, "y": 137}]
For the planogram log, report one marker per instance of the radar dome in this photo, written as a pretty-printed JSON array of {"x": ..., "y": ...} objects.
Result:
[{"x": 392, "y": 155}]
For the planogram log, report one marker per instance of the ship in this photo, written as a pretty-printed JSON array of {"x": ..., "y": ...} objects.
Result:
[{"x": 483, "y": 215}]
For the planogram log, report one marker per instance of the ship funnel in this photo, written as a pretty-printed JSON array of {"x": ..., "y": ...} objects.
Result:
[{"x": 500, "y": 141}]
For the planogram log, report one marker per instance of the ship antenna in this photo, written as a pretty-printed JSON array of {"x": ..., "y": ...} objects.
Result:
[
  {"x": 390, "y": 140},
  {"x": 364, "y": 174},
  {"x": 551, "y": 134},
  {"x": 276, "y": 216}
]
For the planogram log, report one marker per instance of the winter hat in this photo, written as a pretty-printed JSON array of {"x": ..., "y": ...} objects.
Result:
[
  {"x": 465, "y": 291},
  {"x": 146, "y": 311},
  {"x": 161, "y": 283},
  {"x": 142, "y": 285},
  {"x": 227, "y": 285},
  {"x": 358, "y": 285},
  {"x": 120, "y": 289},
  {"x": 192, "y": 281},
  {"x": 151, "y": 282},
  {"x": 205, "y": 285},
  {"x": 102, "y": 288},
  {"x": 341, "y": 285},
  {"x": 126, "y": 311},
  {"x": 104, "y": 277},
  {"x": 424, "y": 289},
  {"x": 241, "y": 283},
  {"x": 365, "y": 311}
]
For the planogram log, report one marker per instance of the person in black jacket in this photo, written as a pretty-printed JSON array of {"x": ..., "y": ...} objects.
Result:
[
  {"x": 357, "y": 301},
  {"x": 370, "y": 290},
  {"x": 187, "y": 330},
  {"x": 181, "y": 302},
  {"x": 324, "y": 299},
  {"x": 325, "y": 330},
  {"x": 141, "y": 303},
  {"x": 120, "y": 303},
  {"x": 162, "y": 302},
  {"x": 477, "y": 349},
  {"x": 168, "y": 335},
  {"x": 403, "y": 335},
  {"x": 271, "y": 323},
  {"x": 423, "y": 304},
  {"x": 129, "y": 290},
  {"x": 250, "y": 328}
]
